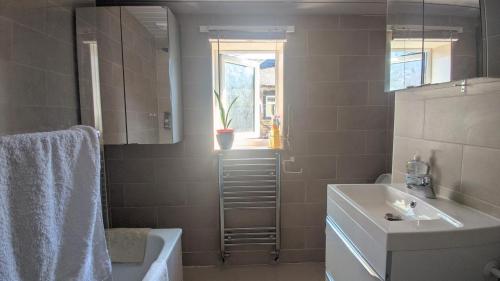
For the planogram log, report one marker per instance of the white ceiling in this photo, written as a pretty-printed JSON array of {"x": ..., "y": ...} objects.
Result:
[{"x": 277, "y": 7}]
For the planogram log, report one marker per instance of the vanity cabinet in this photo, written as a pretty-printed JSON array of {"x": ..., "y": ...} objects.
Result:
[
  {"x": 360, "y": 249},
  {"x": 129, "y": 73},
  {"x": 438, "y": 41},
  {"x": 343, "y": 260}
]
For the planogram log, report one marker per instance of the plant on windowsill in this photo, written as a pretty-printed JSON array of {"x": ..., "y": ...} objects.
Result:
[{"x": 225, "y": 136}]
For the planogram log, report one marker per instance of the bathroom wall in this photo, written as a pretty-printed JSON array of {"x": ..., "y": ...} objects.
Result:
[
  {"x": 458, "y": 134},
  {"x": 341, "y": 133},
  {"x": 38, "y": 81}
]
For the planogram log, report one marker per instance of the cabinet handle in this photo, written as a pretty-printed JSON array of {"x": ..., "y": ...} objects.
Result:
[{"x": 354, "y": 251}]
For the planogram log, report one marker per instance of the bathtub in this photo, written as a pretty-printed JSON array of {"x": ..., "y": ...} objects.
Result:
[{"x": 162, "y": 261}]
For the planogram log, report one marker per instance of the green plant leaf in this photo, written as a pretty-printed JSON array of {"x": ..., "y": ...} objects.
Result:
[
  {"x": 222, "y": 111},
  {"x": 229, "y": 110}
]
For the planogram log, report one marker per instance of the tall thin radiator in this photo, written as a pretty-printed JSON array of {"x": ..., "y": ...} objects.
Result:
[{"x": 249, "y": 184}]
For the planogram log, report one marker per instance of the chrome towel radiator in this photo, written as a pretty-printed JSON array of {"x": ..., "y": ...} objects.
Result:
[{"x": 250, "y": 183}]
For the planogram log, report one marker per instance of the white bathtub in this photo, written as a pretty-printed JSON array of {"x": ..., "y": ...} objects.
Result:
[{"x": 162, "y": 261}]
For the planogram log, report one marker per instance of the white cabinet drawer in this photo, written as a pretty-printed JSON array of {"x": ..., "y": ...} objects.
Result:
[{"x": 343, "y": 261}]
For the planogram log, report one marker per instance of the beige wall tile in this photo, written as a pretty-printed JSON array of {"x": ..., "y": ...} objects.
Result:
[
  {"x": 410, "y": 115},
  {"x": 470, "y": 120},
  {"x": 445, "y": 159},
  {"x": 480, "y": 173}
]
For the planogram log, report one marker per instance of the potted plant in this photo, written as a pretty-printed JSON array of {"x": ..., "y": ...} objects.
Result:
[{"x": 225, "y": 136}]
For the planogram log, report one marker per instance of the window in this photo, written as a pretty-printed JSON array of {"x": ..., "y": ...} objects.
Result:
[{"x": 250, "y": 71}]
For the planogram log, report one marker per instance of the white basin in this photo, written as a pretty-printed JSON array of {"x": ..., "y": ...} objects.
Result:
[
  {"x": 379, "y": 200},
  {"x": 433, "y": 220}
]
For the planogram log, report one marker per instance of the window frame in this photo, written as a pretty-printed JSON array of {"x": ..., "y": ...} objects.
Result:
[{"x": 251, "y": 46}]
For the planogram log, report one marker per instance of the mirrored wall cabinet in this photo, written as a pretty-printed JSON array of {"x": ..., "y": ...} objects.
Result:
[
  {"x": 129, "y": 72},
  {"x": 438, "y": 41}
]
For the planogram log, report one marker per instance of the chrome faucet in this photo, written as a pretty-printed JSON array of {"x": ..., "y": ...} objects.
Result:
[{"x": 418, "y": 178}]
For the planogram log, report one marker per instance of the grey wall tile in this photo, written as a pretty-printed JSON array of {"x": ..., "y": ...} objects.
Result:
[
  {"x": 348, "y": 142},
  {"x": 362, "y": 22},
  {"x": 338, "y": 93},
  {"x": 362, "y": 68},
  {"x": 338, "y": 42},
  {"x": 6, "y": 43},
  {"x": 360, "y": 166},
  {"x": 362, "y": 117}
]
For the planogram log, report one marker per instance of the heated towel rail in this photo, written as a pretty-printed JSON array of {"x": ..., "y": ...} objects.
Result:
[{"x": 249, "y": 184}]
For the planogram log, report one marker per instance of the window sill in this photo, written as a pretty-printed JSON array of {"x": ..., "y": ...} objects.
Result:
[{"x": 250, "y": 144}]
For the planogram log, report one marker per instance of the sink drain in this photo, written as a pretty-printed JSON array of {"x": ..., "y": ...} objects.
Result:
[{"x": 392, "y": 217}]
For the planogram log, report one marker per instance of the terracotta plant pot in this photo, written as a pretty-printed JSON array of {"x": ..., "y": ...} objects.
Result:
[{"x": 225, "y": 138}]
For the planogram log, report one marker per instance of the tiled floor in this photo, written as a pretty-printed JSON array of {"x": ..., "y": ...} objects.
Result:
[{"x": 279, "y": 272}]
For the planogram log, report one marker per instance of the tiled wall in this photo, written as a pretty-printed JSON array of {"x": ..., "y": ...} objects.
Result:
[
  {"x": 341, "y": 133},
  {"x": 38, "y": 81},
  {"x": 458, "y": 134}
]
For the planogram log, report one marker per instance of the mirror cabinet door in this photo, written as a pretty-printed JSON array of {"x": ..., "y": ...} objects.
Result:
[
  {"x": 145, "y": 61},
  {"x": 452, "y": 40},
  {"x": 405, "y": 56}
]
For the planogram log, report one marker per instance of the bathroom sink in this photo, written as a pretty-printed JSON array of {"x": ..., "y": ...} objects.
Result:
[
  {"x": 421, "y": 223},
  {"x": 383, "y": 201}
]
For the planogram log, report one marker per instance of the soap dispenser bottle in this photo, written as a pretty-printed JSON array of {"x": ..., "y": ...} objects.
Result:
[{"x": 417, "y": 167}]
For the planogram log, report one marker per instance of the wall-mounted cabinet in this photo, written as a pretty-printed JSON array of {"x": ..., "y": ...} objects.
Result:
[
  {"x": 438, "y": 41},
  {"x": 130, "y": 76}
]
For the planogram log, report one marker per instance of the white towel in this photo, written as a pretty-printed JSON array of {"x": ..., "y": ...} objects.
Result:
[
  {"x": 127, "y": 244},
  {"x": 50, "y": 207}
]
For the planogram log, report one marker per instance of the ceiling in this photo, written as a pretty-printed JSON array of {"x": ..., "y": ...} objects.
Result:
[
  {"x": 277, "y": 7},
  {"x": 284, "y": 7}
]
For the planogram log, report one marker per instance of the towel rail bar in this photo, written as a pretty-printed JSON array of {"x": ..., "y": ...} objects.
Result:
[{"x": 249, "y": 184}]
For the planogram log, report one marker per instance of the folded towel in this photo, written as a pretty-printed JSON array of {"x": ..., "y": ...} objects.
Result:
[
  {"x": 127, "y": 244},
  {"x": 51, "y": 224}
]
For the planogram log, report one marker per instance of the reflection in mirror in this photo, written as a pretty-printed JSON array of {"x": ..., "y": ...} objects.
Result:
[
  {"x": 145, "y": 60},
  {"x": 404, "y": 44},
  {"x": 452, "y": 40}
]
